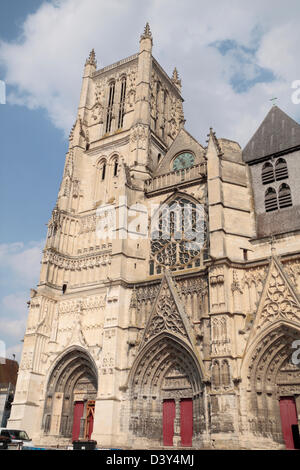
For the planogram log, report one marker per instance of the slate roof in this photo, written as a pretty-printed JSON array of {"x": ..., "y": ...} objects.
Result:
[{"x": 277, "y": 132}]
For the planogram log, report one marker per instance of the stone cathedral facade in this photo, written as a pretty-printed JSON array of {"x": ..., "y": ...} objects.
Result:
[{"x": 142, "y": 341}]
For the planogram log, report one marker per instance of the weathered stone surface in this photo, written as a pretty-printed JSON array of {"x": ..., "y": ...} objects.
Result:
[{"x": 122, "y": 323}]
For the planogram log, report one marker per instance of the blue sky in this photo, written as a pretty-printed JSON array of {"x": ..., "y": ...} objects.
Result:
[
  {"x": 232, "y": 57},
  {"x": 32, "y": 159}
]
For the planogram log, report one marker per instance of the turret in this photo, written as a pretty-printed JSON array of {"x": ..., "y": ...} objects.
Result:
[
  {"x": 141, "y": 124},
  {"x": 85, "y": 96}
]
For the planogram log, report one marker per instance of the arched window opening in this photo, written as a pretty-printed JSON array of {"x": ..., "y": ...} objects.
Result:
[
  {"x": 267, "y": 173},
  {"x": 103, "y": 171},
  {"x": 116, "y": 165},
  {"x": 271, "y": 200},
  {"x": 215, "y": 373},
  {"x": 281, "y": 170},
  {"x": 225, "y": 374},
  {"x": 284, "y": 196},
  {"x": 122, "y": 103},
  {"x": 64, "y": 288},
  {"x": 158, "y": 158},
  {"x": 110, "y": 106}
]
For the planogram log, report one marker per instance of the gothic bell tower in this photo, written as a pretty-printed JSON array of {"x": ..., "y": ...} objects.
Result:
[{"x": 79, "y": 330}]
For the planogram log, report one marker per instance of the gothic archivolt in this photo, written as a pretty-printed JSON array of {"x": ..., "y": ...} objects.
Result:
[
  {"x": 270, "y": 374},
  {"x": 74, "y": 376},
  {"x": 267, "y": 370},
  {"x": 165, "y": 368}
]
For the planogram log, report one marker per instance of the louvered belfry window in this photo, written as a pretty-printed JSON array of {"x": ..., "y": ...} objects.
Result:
[
  {"x": 271, "y": 200},
  {"x": 110, "y": 106},
  {"x": 281, "y": 170},
  {"x": 284, "y": 196},
  {"x": 268, "y": 173}
]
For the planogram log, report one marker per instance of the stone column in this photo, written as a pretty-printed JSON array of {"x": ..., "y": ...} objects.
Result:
[{"x": 177, "y": 436}]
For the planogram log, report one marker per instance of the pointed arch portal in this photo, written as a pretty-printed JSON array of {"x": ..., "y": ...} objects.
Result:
[
  {"x": 166, "y": 393},
  {"x": 274, "y": 385},
  {"x": 70, "y": 399}
]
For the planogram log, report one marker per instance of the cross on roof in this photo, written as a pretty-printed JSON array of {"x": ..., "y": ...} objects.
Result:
[{"x": 273, "y": 100}]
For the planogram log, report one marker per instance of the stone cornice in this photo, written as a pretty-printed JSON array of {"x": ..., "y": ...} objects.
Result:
[{"x": 108, "y": 68}]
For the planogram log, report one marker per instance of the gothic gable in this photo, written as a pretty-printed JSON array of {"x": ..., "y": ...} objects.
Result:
[
  {"x": 279, "y": 301},
  {"x": 168, "y": 314},
  {"x": 183, "y": 142}
]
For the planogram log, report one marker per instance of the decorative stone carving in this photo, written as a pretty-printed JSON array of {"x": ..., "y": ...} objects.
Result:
[
  {"x": 220, "y": 343},
  {"x": 98, "y": 108},
  {"x": 280, "y": 301},
  {"x": 130, "y": 96},
  {"x": 139, "y": 137},
  {"x": 167, "y": 313},
  {"x": 26, "y": 363},
  {"x": 75, "y": 263},
  {"x": 292, "y": 269}
]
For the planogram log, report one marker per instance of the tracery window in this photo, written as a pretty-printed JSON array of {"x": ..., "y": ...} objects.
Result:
[
  {"x": 183, "y": 160},
  {"x": 110, "y": 106},
  {"x": 122, "y": 103},
  {"x": 178, "y": 236}
]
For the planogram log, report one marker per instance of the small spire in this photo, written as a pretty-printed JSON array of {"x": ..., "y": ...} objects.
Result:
[
  {"x": 147, "y": 32},
  {"x": 175, "y": 75},
  {"x": 212, "y": 136},
  {"x": 92, "y": 59},
  {"x": 175, "y": 78}
]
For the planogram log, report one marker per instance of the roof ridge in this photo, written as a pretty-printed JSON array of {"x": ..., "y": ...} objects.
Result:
[{"x": 276, "y": 133}]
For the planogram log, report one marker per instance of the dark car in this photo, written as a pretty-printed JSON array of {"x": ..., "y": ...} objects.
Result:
[
  {"x": 16, "y": 436},
  {"x": 4, "y": 441}
]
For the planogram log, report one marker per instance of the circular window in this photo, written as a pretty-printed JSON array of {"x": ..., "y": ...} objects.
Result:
[{"x": 184, "y": 160}]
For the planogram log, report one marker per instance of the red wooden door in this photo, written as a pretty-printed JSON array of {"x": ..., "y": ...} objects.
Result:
[
  {"x": 288, "y": 414},
  {"x": 77, "y": 415},
  {"x": 168, "y": 422},
  {"x": 186, "y": 422}
]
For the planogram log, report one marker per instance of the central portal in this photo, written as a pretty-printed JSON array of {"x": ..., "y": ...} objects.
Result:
[{"x": 166, "y": 395}]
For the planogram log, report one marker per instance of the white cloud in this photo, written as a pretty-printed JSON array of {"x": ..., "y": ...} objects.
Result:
[
  {"x": 15, "y": 303},
  {"x": 13, "y": 322},
  {"x": 45, "y": 64},
  {"x": 22, "y": 260},
  {"x": 12, "y": 328}
]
